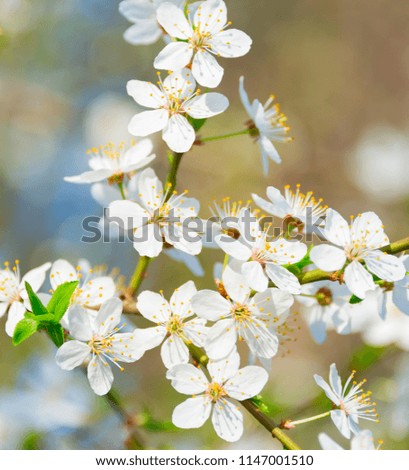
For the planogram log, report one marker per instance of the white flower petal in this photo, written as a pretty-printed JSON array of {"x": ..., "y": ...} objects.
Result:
[
  {"x": 142, "y": 33},
  {"x": 327, "y": 389},
  {"x": 179, "y": 134},
  {"x": 173, "y": 21},
  {"x": 328, "y": 258},
  {"x": 245, "y": 98},
  {"x": 135, "y": 10},
  {"x": 192, "y": 413},
  {"x": 89, "y": 177},
  {"x": 210, "y": 305},
  {"x": 180, "y": 300},
  {"x": 358, "y": 280},
  {"x": 16, "y": 313},
  {"x": 108, "y": 317},
  {"x": 283, "y": 278},
  {"x": 368, "y": 226},
  {"x": 327, "y": 443},
  {"x": 79, "y": 323},
  {"x": 259, "y": 339},
  {"x": 206, "y": 69},
  {"x": 341, "y": 422},
  {"x": 336, "y": 229},
  {"x": 96, "y": 291},
  {"x": 126, "y": 348},
  {"x": 210, "y": 16},
  {"x": 72, "y": 354},
  {"x": 254, "y": 273},
  {"x": 224, "y": 369},
  {"x": 221, "y": 339},
  {"x": 206, "y": 105},
  {"x": 62, "y": 271},
  {"x": 153, "y": 306},
  {"x": 196, "y": 331},
  {"x": 247, "y": 383},
  {"x": 231, "y": 43},
  {"x": 145, "y": 93},
  {"x": 148, "y": 240},
  {"x": 100, "y": 375},
  {"x": 149, "y": 338},
  {"x": 235, "y": 285},
  {"x": 187, "y": 379},
  {"x": 174, "y": 56},
  {"x": 174, "y": 352},
  {"x": 227, "y": 420},
  {"x": 387, "y": 267},
  {"x": 363, "y": 441},
  {"x": 148, "y": 122}
]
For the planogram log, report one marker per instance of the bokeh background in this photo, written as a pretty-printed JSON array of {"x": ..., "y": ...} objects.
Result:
[{"x": 340, "y": 70}]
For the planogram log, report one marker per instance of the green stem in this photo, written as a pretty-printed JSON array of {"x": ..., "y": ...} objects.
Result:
[
  {"x": 201, "y": 358},
  {"x": 121, "y": 189},
  {"x": 139, "y": 274},
  {"x": 174, "y": 159},
  {"x": 224, "y": 136},
  {"x": 308, "y": 420}
]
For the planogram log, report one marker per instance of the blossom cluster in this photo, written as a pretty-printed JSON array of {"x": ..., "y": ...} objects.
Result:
[{"x": 263, "y": 279}]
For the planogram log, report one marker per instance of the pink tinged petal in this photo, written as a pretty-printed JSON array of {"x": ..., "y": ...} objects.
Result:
[
  {"x": 231, "y": 43},
  {"x": 72, "y": 354},
  {"x": 173, "y": 21},
  {"x": 387, "y": 267},
  {"x": 247, "y": 383},
  {"x": 358, "y": 280},
  {"x": 327, "y": 257},
  {"x": 327, "y": 389},
  {"x": 337, "y": 229},
  {"x": 196, "y": 331},
  {"x": 244, "y": 98},
  {"x": 180, "y": 300},
  {"x": 153, "y": 307},
  {"x": 143, "y": 33},
  {"x": 108, "y": 317},
  {"x": 126, "y": 348},
  {"x": 89, "y": 177},
  {"x": 210, "y": 16},
  {"x": 79, "y": 323},
  {"x": 148, "y": 240},
  {"x": 221, "y": 339},
  {"x": 148, "y": 122},
  {"x": 235, "y": 285},
  {"x": 149, "y": 338},
  {"x": 35, "y": 277},
  {"x": 254, "y": 273},
  {"x": 192, "y": 413},
  {"x": 327, "y": 443},
  {"x": 206, "y": 105},
  {"x": 368, "y": 226},
  {"x": 206, "y": 69},
  {"x": 341, "y": 422},
  {"x": 16, "y": 313},
  {"x": 179, "y": 134},
  {"x": 174, "y": 56},
  {"x": 174, "y": 352},
  {"x": 283, "y": 278},
  {"x": 127, "y": 214},
  {"x": 224, "y": 369},
  {"x": 210, "y": 305},
  {"x": 62, "y": 271},
  {"x": 145, "y": 94},
  {"x": 187, "y": 379},
  {"x": 100, "y": 375},
  {"x": 227, "y": 420}
]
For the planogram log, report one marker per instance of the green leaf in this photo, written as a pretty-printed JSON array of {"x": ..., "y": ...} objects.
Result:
[
  {"x": 36, "y": 304},
  {"x": 56, "y": 333},
  {"x": 354, "y": 299},
  {"x": 60, "y": 301},
  {"x": 24, "y": 329},
  {"x": 197, "y": 123}
]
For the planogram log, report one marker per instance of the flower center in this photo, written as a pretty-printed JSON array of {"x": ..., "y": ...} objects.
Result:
[
  {"x": 324, "y": 296},
  {"x": 215, "y": 391},
  {"x": 100, "y": 344},
  {"x": 174, "y": 325},
  {"x": 241, "y": 312},
  {"x": 200, "y": 40}
]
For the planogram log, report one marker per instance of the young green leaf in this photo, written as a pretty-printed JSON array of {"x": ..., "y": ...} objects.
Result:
[
  {"x": 354, "y": 299},
  {"x": 56, "y": 333},
  {"x": 36, "y": 304},
  {"x": 60, "y": 301},
  {"x": 24, "y": 329}
]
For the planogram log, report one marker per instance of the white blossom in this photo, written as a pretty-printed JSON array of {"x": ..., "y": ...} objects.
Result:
[
  {"x": 13, "y": 294},
  {"x": 267, "y": 124},
  {"x": 238, "y": 315},
  {"x": 202, "y": 35},
  {"x": 146, "y": 29},
  {"x": 351, "y": 401},
  {"x": 362, "y": 441},
  {"x": 158, "y": 217},
  {"x": 216, "y": 396},
  {"x": 112, "y": 162},
  {"x": 98, "y": 343},
  {"x": 357, "y": 243},
  {"x": 175, "y": 322},
  {"x": 173, "y": 101}
]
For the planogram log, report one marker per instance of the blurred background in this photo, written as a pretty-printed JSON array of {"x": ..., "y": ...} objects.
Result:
[{"x": 340, "y": 71}]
